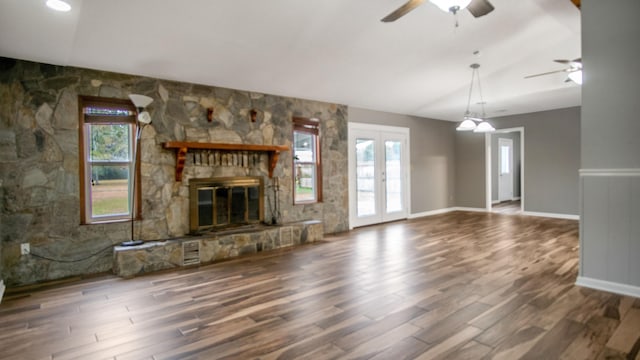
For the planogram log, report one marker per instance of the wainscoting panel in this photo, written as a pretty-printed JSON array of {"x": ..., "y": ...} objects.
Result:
[{"x": 610, "y": 226}]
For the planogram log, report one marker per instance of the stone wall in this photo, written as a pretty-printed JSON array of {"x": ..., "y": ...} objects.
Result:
[{"x": 39, "y": 186}]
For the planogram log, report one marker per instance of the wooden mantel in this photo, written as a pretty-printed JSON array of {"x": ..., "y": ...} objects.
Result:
[{"x": 182, "y": 147}]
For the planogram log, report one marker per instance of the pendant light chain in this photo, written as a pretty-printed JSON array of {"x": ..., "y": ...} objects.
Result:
[
  {"x": 473, "y": 72},
  {"x": 477, "y": 71}
]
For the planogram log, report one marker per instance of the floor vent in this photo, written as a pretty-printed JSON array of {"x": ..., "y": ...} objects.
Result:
[
  {"x": 191, "y": 253},
  {"x": 286, "y": 236}
]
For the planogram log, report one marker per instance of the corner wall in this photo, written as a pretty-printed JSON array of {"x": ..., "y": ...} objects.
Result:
[
  {"x": 39, "y": 198},
  {"x": 551, "y": 161},
  {"x": 610, "y": 167},
  {"x": 551, "y": 158}
]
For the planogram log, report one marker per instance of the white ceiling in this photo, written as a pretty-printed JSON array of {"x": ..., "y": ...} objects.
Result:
[{"x": 328, "y": 50}]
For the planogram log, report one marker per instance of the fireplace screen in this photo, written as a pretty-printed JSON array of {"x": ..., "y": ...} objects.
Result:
[{"x": 225, "y": 202}]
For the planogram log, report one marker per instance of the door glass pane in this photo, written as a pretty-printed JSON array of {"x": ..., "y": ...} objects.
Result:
[
  {"x": 504, "y": 160},
  {"x": 365, "y": 177},
  {"x": 205, "y": 206},
  {"x": 393, "y": 175}
]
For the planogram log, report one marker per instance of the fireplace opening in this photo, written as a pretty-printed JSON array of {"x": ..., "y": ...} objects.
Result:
[{"x": 225, "y": 202}]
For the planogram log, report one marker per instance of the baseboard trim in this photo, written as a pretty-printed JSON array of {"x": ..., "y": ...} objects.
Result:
[
  {"x": 444, "y": 211},
  {"x": 2, "y": 287},
  {"x": 459, "y": 208},
  {"x": 430, "y": 213},
  {"x": 552, "y": 215},
  {"x": 609, "y": 172},
  {"x": 493, "y": 202},
  {"x": 622, "y": 289}
]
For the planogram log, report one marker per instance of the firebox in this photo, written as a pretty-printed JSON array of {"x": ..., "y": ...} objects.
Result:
[{"x": 224, "y": 202}]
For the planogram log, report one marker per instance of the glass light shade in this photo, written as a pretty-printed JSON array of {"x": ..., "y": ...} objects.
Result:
[
  {"x": 576, "y": 77},
  {"x": 446, "y": 5},
  {"x": 140, "y": 101},
  {"x": 58, "y": 5},
  {"x": 484, "y": 127},
  {"x": 144, "y": 118},
  {"x": 466, "y": 125}
]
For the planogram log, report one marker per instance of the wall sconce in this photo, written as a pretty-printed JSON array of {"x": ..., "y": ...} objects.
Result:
[
  {"x": 253, "y": 114},
  {"x": 210, "y": 114}
]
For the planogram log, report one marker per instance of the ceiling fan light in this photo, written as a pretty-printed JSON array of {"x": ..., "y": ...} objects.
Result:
[
  {"x": 58, "y": 5},
  {"x": 448, "y": 5},
  {"x": 484, "y": 127},
  {"x": 576, "y": 76},
  {"x": 466, "y": 125}
]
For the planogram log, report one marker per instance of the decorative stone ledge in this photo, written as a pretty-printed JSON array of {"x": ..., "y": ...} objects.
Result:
[{"x": 151, "y": 256}]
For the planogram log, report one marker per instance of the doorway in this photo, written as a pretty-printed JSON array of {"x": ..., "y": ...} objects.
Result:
[
  {"x": 378, "y": 174},
  {"x": 505, "y": 171}
]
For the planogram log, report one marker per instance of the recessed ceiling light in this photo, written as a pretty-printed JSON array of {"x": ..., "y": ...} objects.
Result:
[{"x": 58, "y": 5}]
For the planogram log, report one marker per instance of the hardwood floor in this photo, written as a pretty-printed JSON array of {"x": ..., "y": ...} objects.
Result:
[
  {"x": 507, "y": 207},
  {"x": 453, "y": 286}
]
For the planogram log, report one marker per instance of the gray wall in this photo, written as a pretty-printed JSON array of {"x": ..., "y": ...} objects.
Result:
[
  {"x": 551, "y": 161},
  {"x": 432, "y": 156},
  {"x": 470, "y": 170},
  {"x": 515, "y": 136},
  {"x": 551, "y": 158},
  {"x": 610, "y": 178}
]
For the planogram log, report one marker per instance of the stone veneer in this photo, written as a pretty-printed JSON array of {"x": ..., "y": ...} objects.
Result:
[
  {"x": 39, "y": 187},
  {"x": 161, "y": 255}
]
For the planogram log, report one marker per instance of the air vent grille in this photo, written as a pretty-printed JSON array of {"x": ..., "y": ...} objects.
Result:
[{"x": 190, "y": 253}]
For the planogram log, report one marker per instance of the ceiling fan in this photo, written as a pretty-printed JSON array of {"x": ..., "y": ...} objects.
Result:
[
  {"x": 574, "y": 71},
  {"x": 477, "y": 8}
]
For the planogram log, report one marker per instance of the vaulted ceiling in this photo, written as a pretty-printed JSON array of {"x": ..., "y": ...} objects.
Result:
[{"x": 330, "y": 50}]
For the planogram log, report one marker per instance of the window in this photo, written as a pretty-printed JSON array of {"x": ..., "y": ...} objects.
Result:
[
  {"x": 107, "y": 143},
  {"x": 505, "y": 161},
  {"x": 307, "y": 168}
]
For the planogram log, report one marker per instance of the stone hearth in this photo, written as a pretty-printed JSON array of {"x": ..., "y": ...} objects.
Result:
[{"x": 214, "y": 246}]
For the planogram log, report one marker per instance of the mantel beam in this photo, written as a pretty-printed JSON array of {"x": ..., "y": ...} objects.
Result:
[{"x": 182, "y": 147}]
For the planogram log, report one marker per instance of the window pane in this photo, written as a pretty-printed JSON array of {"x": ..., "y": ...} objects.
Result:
[
  {"x": 393, "y": 175},
  {"x": 110, "y": 191},
  {"x": 365, "y": 177},
  {"x": 304, "y": 146},
  {"x": 305, "y": 182},
  {"x": 504, "y": 160},
  {"x": 110, "y": 142}
]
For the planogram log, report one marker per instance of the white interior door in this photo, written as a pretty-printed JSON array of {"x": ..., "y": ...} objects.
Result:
[
  {"x": 505, "y": 169},
  {"x": 378, "y": 189}
]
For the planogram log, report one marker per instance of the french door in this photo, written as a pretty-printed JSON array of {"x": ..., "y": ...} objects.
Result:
[{"x": 378, "y": 173}]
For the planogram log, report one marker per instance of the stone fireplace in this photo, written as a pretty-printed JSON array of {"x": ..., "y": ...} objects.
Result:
[{"x": 225, "y": 202}]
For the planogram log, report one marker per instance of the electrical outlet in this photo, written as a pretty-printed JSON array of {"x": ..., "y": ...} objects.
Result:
[{"x": 25, "y": 249}]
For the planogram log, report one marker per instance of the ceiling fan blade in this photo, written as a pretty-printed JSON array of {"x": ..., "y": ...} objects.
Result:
[
  {"x": 402, "y": 10},
  {"x": 546, "y": 73},
  {"x": 574, "y": 62},
  {"x": 479, "y": 8}
]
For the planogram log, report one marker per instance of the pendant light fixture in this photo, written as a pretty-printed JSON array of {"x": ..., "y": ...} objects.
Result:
[{"x": 470, "y": 119}]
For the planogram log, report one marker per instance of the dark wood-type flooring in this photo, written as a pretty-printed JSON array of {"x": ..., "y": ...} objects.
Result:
[
  {"x": 507, "y": 207},
  {"x": 453, "y": 286}
]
